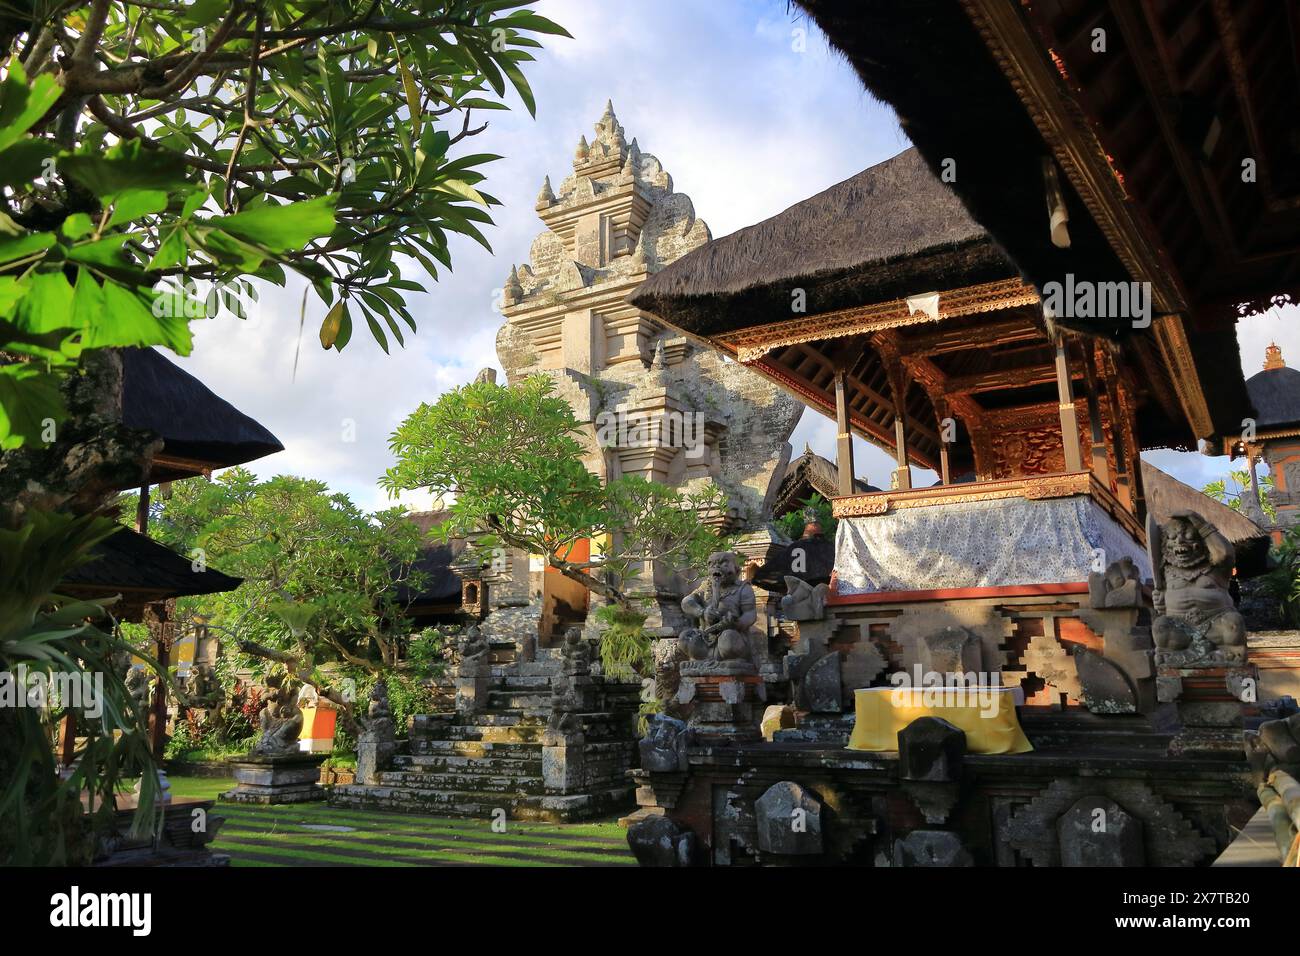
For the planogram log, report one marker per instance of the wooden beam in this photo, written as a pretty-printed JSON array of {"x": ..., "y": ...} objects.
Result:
[
  {"x": 948, "y": 339},
  {"x": 1018, "y": 377},
  {"x": 1100, "y": 463},
  {"x": 843, "y": 437},
  {"x": 1069, "y": 419}
]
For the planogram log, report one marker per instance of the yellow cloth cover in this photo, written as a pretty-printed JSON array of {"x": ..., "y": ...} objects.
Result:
[{"x": 987, "y": 714}]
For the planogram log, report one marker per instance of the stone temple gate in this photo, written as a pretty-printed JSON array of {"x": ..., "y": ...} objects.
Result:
[{"x": 653, "y": 402}]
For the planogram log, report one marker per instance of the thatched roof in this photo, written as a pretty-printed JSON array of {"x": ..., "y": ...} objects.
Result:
[
  {"x": 1275, "y": 393},
  {"x": 1166, "y": 495},
  {"x": 195, "y": 423},
  {"x": 441, "y": 585},
  {"x": 926, "y": 60},
  {"x": 892, "y": 230},
  {"x": 810, "y": 473},
  {"x": 130, "y": 563}
]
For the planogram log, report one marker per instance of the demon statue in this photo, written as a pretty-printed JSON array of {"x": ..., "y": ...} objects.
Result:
[
  {"x": 280, "y": 722},
  {"x": 1192, "y": 565},
  {"x": 723, "y": 610}
]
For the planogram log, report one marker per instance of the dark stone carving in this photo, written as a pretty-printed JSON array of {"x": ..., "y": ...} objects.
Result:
[
  {"x": 821, "y": 686},
  {"x": 1106, "y": 688},
  {"x": 724, "y": 610},
  {"x": 1198, "y": 621},
  {"x": 789, "y": 820},
  {"x": 930, "y": 749},
  {"x": 1119, "y": 586},
  {"x": 931, "y": 848},
  {"x": 1098, "y": 832},
  {"x": 658, "y": 841},
  {"x": 664, "y": 747}
]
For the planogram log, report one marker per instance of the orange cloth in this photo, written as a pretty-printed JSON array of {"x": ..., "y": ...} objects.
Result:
[{"x": 986, "y": 714}]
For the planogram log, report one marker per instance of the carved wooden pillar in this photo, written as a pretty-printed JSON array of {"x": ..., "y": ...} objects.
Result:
[
  {"x": 1125, "y": 481},
  {"x": 1069, "y": 420},
  {"x": 1100, "y": 463},
  {"x": 160, "y": 618},
  {"x": 898, "y": 391},
  {"x": 844, "y": 438},
  {"x": 941, "y": 415}
]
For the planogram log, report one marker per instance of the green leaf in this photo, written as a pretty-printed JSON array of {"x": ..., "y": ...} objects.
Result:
[
  {"x": 135, "y": 203},
  {"x": 125, "y": 167},
  {"x": 281, "y": 228},
  {"x": 22, "y": 104},
  {"x": 29, "y": 400}
]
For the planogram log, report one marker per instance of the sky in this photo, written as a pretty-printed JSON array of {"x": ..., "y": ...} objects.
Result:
[{"x": 749, "y": 112}]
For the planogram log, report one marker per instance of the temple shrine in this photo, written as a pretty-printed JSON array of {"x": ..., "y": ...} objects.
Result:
[{"x": 1019, "y": 322}]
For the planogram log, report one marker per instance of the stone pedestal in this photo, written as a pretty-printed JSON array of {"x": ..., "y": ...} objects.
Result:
[
  {"x": 291, "y": 778},
  {"x": 726, "y": 697},
  {"x": 473, "y": 684},
  {"x": 375, "y": 751},
  {"x": 1211, "y": 698}
]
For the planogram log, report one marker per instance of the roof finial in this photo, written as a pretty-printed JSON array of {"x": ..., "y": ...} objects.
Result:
[
  {"x": 546, "y": 197},
  {"x": 659, "y": 363},
  {"x": 1273, "y": 357},
  {"x": 513, "y": 288},
  {"x": 608, "y": 118},
  {"x": 580, "y": 154}
]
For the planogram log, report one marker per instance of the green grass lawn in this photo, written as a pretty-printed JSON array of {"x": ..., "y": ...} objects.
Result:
[{"x": 313, "y": 834}]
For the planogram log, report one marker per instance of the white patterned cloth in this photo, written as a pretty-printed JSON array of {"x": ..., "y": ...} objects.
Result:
[{"x": 980, "y": 544}]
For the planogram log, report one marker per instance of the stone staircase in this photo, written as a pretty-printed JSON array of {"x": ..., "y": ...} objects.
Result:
[{"x": 500, "y": 757}]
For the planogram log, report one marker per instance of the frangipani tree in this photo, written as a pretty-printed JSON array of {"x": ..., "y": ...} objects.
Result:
[{"x": 508, "y": 460}]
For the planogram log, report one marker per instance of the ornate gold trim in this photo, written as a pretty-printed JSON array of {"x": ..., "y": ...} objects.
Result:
[
  {"x": 1043, "y": 87},
  {"x": 753, "y": 343},
  {"x": 1171, "y": 336},
  {"x": 1036, "y": 488}
]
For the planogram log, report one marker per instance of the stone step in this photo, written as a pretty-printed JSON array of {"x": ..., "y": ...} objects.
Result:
[
  {"x": 491, "y": 763},
  {"x": 462, "y": 782},
  {"x": 519, "y": 750},
  {"x": 523, "y": 733},
  {"x": 537, "y": 701},
  {"x": 468, "y": 803}
]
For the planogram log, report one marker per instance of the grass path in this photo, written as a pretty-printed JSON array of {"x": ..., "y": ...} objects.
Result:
[{"x": 313, "y": 834}]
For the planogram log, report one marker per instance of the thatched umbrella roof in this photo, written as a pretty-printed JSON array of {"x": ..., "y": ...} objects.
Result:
[
  {"x": 927, "y": 60},
  {"x": 809, "y": 473},
  {"x": 441, "y": 585},
  {"x": 131, "y": 564},
  {"x": 892, "y": 230},
  {"x": 196, "y": 424},
  {"x": 1275, "y": 393},
  {"x": 1166, "y": 496}
]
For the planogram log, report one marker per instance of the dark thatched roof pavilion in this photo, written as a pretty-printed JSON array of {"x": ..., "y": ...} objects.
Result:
[
  {"x": 201, "y": 431},
  {"x": 1148, "y": 137}
]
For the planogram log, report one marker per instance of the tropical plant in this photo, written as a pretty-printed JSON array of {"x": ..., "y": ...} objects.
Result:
[
  {"x": 220, "y": 142},
  {"x": 69, "y": 644},
  {"x": 1235, "y": 486},
  {"x": 1282, "y": 581},
  {"x": 792, "y": 523},
  {"x": 324, "y": 582},
  {"x": 509, "y": 461}
]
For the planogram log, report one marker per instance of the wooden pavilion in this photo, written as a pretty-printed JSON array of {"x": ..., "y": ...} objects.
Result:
[
  {"x": 199, "y": 433},
  {"x": 1045, "y": 285}
]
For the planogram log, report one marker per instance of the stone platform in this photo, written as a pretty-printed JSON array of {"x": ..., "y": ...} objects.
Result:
[
  {"x": 293, "y": 778},
  {"x": 873, "y": 809}
]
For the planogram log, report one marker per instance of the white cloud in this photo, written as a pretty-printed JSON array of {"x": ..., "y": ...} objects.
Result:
[{"x": 746, "y": 125}]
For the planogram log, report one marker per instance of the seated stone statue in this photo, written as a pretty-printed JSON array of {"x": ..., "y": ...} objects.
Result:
[
  {"x": 1193, "y": 562},
  {"x": 723, "y": 610},
  {"x": 281, "y": 723}
]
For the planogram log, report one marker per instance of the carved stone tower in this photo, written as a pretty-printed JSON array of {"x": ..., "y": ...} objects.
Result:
[{"x": 652, "y": 402}]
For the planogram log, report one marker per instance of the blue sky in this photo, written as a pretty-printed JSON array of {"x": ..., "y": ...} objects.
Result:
[{"x": 748, "y": 111}]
